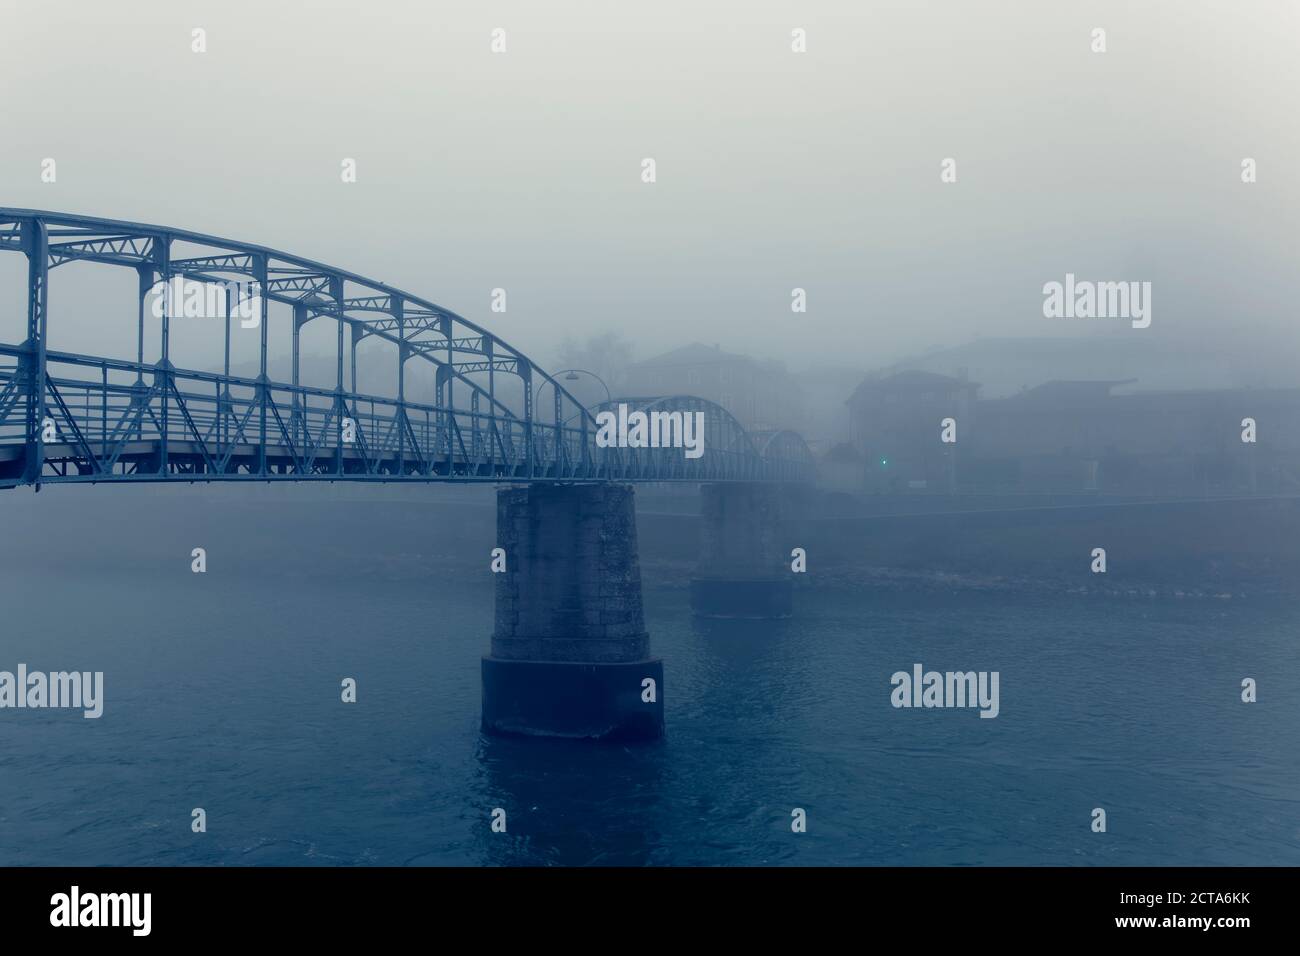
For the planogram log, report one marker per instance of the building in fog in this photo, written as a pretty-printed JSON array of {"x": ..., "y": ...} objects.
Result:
[
  {"x": 1090, "y": 436},
  {"x": 895, "y": 423},
  {"x": 761, "y": 395},
  {"x": 1008, "y": 365},
  {"x": 1068, "y": 437}
]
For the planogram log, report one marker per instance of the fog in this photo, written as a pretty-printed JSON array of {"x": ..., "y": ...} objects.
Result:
[{"x": 775, "y": 170}]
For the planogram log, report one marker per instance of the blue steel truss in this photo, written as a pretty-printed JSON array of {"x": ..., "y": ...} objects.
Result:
[{"x": 69, "y": 417}]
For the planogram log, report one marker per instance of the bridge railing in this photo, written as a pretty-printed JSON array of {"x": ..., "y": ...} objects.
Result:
[{"x": 140, "y": 418}]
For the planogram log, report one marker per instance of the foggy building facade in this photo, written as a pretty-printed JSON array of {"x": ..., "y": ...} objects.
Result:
[
  {"x": 1074, "y": 437},
  {"x": 894, "y": 422}
]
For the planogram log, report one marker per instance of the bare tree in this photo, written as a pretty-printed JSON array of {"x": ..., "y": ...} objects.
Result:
[{"x": 608, "y": 355}]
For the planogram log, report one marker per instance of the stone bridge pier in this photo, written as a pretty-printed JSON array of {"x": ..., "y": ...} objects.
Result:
[
  {"x": 570, "y": 654},
  {"x": 743, "y": 571}
]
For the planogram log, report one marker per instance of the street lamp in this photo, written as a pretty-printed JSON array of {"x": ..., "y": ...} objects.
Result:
[{"x": 572, "y": 376}]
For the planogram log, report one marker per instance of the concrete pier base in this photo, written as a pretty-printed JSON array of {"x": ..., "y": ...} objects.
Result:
[
  {"x": 742, "y": 572},
  {"x": 570, "y": 654}
]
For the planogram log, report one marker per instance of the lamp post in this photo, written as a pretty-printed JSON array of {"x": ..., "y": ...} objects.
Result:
[{"x": 571, "y": 375}]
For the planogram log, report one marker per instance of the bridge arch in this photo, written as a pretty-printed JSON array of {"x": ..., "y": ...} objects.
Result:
[
  {"x": 787, "y": 452},
  {"x": 68, "y": 416},
  {"x": 728, "y": 453}
]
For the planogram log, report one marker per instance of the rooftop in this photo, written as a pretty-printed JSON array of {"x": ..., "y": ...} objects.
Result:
[{"x": 913, "y": 380}]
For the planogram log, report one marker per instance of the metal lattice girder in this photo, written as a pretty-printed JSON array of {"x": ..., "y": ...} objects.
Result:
[
  {"x": 67, "y": 416},
  {"x": 304, "y": 285},
  {"x": 121, "y": 250},
  {"x": 219, "y": 263},
  {"x": 11, "y": 234}
]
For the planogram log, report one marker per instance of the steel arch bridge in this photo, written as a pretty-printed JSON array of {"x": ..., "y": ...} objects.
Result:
[{"x": 495, "y": 414}]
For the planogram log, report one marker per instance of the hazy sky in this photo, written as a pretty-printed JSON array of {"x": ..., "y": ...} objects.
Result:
[{"x": 775, "y": 169}]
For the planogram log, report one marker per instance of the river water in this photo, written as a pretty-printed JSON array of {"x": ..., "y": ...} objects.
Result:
[{"x": 222, "y": 691}]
